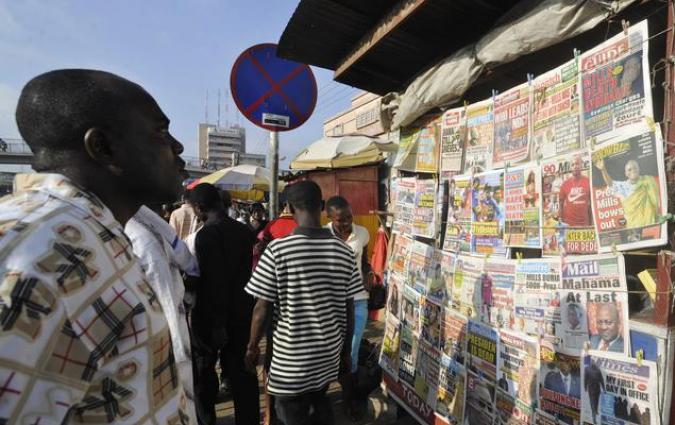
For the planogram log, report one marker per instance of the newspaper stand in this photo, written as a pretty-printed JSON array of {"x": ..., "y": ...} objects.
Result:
[{"x": 651, "y": 329}]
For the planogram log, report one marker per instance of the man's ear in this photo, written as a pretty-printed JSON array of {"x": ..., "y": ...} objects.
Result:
[{"x": 98, "y": 146}]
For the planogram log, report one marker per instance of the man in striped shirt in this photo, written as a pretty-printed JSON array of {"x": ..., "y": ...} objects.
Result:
[{"x": 308, "y": 279}]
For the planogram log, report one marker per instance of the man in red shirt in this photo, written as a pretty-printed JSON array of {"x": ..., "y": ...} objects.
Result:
[{"x": 575, "y": 197}]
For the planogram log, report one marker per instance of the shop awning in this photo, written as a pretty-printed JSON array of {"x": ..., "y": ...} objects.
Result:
[{"x": 342, "y": 152}]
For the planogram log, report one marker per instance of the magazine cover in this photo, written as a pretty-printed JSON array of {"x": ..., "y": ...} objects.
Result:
[
  {"x": 390, "y": 346},
  {"x": 595, "y": 304},
  {"x": 567, "y": 211},
  {"x": 427, "y": 372},
  {"x": 481, "y": 351},
  {"x": 458, "y": 225},
  {"x": 537, "y": 298},
  {"x": 629, "y": 192},
  {"x": 479, "y": 404},
  {"x": 615, "y": 86},
  {"x": 453, "y": 133},
  {"x": 618, "y": 390},
  {"x": 487, "y": 219},
  {"x": 522, "y": 201},
  {"x": 453, "y": 335},
  {"x": 466, "y": 288},
  {"x": 518, "y": 370},
  {"x": 430, "y": 321},
  {"x": 511, "y": 116},
  {"x": 479, "y": 135},
  {"x": 451, "y": 384},
  {"x": 555, "y": 112},
  {"x": 424, "y": 212},
  {"x": 560, "y": 385},
  {"x": 411, "y": 309},
  {"x": 407, "y": 357}
]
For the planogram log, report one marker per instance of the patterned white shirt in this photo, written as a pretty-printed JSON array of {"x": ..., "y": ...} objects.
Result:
[{"x": 82, "y": 335}]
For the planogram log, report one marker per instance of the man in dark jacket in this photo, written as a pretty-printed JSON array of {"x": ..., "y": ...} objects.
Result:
[{"x": 221, "y": 318}]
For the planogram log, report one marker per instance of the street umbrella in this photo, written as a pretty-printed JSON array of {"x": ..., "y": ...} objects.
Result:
[
  {"x": 343, "y": 152},
  {"x": 243, "y": 177}
]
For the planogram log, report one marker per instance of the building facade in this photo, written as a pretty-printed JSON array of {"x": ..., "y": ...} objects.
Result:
[
  {"x": 221, "y": 147},
  {"x": 362, "y": 117}
]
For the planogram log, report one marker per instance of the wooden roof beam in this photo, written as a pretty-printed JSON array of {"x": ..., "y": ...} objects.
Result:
[{"x": 399, "y": 13}]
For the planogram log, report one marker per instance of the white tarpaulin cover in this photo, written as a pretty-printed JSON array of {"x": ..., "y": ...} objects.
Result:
[
  {"x": 340, "y": 152},
  {"x": 546, "y": 24}
]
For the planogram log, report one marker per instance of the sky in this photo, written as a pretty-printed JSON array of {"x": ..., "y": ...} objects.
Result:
[{"x": 177, "y": 49}]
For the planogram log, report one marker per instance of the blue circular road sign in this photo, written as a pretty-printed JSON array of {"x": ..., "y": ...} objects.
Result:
[{"x": 273, "y": 93}]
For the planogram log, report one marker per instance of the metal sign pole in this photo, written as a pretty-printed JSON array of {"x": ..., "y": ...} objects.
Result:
[{"x": 274, "y": 167}]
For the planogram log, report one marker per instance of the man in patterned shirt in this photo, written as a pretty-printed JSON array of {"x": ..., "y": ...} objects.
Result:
[{"x": 82, "y": 335}]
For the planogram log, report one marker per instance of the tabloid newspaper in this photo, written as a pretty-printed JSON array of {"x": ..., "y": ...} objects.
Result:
[
  {"x": 479, "y": 135},
  {"x": 559, "y": 385},
  {"x": 453, "y": 133},
  {"x": 479, "y": 404},
  {"x": 453, "y": 335},
  {"x": 458, "y": 226},
  {"x": 390, "y": 346},
  {"x": 594, "y": 304},
  {"x": 430, "y": 322},
  {"x": 394, "y": 295},
  {"x": 555, "y": 113},
  {"x": 481, "y": 351},
  {"x": 511, "y": 116},
  {"x": 424, "y": 212},
  {"x": 447, "y": 269},
  {"x": 537, "y": 298},
  {"x": 522, "y": 202},
  {"x": 496, "y": 293},
  {"x": 427, "y": 372},
  {"x": 411, "y": 309},
  {"x": 400, "y": 254},
  {"x": 407, "y": 355},
  {"x": 451, "y": 385},
  {"x": 629, "y": 191},
  {"x": 487, "y": 220},
  {"x": 466, "y": 288},
  {"x": 517, "y": 377},
  {"x": 428, "y": 144},
  {"x": 567, "y": 211},
  {"x": 405, "y": 191},
  {"x": 405, "y": 157},
  {"x": 615, "y": 87},
  {"x": 618, "y": 390},
  {"x": 420, "y": 266},
  {"x": 437, "y": 289}
]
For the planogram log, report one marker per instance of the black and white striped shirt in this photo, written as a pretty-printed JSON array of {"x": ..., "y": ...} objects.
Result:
[{"x": 308, "y": 276}]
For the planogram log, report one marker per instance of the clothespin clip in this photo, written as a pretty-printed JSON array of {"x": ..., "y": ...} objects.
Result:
[
  {"x": 576, "y": 52},
  {"x": 640, "y": 356},
  {"x": 506, "y": 167},
  {"x": 519, "y": 257},
  {"x": 592, "y": 141},
  {"x": 539, "y": 157},
  {"x": 494, "y": 94},
  {"x": 466, "y": 103},
  {"x": 614, "y": 251},
  {"x": 530, "y": 77},
  {"x": 587, "y": 346},
  {"x": 664, "y": 218},
  {"x": 485, "y": 262},
  {"x": 625, "y": 24}
]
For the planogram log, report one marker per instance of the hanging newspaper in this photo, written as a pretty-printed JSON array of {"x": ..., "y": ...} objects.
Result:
[
  {"x": 537, "y": 298},
  {"x": 411, "y": 309},
  {"x": 559, "y": 385},
  {"x": 426, "y": 373},
  {"x": 517, "y": 377},
  {"x": 407, "y": 357},
  {"x": 428, "y": 146},
  {"x": 479, "y": 405},
  {"x": 405, "y": 157},
  {"x": 406, "y": 189},
  {"x": 430, "y": 322},
  {"x": 511, "y": 115},
  {"x": 555, "y": 113},
  {"x": 423, "y": 220},
  {"x": 453, "y": 133},
  {"x": 496, "y": 293},
  {"x": 466, "y": 288},
  {"x": 390, "y": 346},
  {"x": 448, "y": 262},
  {"x": 479, "y": 135},
  {"x": 595, "y": 304},
  {"x": 487, "y": 221},
  {"x": 618, "y": 390},
  {"x": 522, "y": 201},
  {"x": 481, "y": 351},
  {"x": 453, "y": 335},
  {"x": 394, "y": 295},
  {"x": 400, "y": 255},
  {"x": 616, "y": 94},
  {"x": 452, "y": 381},
  {"x": 437, "y": 289},
  {"x": 458, "y": 227},
  {"x": 629, "y": 192},
  {"x": 567, "y": 211},
  {"x": 420, "y": 266},
  {"x": 543, "y": 418}
]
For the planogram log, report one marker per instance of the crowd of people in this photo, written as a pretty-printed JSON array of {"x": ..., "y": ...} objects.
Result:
[{"x": 109, "y": 312}]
